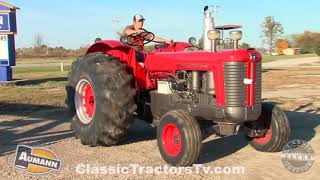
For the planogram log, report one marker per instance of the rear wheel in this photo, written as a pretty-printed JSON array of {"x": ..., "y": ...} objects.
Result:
[
  {"x": 179, "y": 138},
  {"x": 101, "y": 97},
  {"x": 278, "y": 129}
]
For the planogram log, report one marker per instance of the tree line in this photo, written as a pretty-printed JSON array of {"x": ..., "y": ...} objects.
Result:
[
  {"x": 272, "y": 36},
  {"x": 41, "y": 50}
]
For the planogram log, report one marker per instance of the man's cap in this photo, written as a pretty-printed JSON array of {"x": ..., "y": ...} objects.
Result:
[{"x": 138, "y": 17}]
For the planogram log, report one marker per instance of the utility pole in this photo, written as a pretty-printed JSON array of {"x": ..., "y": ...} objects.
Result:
[
  {"x": 215, "y": 13},
  {"x": 116, "y": 21}
]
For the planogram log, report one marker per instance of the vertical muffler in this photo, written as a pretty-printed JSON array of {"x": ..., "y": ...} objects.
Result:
[{"x": 208, "y": 25}]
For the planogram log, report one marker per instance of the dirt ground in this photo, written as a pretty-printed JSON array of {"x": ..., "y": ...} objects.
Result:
[{"x": 40, "y": 119}]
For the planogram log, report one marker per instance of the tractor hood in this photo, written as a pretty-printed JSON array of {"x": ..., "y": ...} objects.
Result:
[{"x": 196, "y": 60}]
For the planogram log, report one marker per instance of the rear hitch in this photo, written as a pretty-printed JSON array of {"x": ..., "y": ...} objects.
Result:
[{"x": 221, "y": 129}]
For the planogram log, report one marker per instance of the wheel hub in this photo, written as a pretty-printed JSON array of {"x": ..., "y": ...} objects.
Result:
[
  {"x": 268, "y": 135},
  {"x": 84, "y": 101},
  {"x": 171, "y": 140},
  {"x": 266, "y": 138},
  {"x": 88, "y": 100}
]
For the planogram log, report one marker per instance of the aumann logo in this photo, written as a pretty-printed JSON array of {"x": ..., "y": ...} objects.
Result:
[{"x": 36, "y": 160}]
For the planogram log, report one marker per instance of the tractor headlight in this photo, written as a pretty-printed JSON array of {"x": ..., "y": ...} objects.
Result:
[
  {"x": 213, "y": 34},
  {"x": 235, "y": 35},
  {"x": 192, "y": 41}
]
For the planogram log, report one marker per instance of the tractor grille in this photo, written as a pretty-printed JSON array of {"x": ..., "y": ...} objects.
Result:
[
  {"x": 235, "y": 89},
  {"x": 258, "y": 82}
]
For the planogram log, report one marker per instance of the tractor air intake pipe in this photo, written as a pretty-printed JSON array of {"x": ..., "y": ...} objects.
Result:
[
  {"x": 235, "y": 36},
  {"x": 213, "y": 35}
]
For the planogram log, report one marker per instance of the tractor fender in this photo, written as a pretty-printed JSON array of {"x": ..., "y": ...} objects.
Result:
[
  {"x": 108, "y": 45},
  {"x": 127, "y": 55},
  {"x": 116, "y": 49}
]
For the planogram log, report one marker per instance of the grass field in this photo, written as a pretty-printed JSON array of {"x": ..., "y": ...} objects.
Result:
[
  {"x": 42, "y": 86},
  {"x": 269, "y": 58},
  {"x": 44, "y": 60},
  {"x": 46, "y": 84},
  {"x": 266, "y": 58},
  {"x": 54, "y": 71},
  {"x": 39, "y": 72}
]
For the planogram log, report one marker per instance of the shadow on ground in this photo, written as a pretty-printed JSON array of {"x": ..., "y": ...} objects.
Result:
[
  {"x": 49, "y": 124},
  {"x": 303, "y": 126},
  {"x": 40, "y": 81},
  {"x": 264, "y": 70},
  {"x": 33, "y": 125},
  {"x": 140, "y": 131}
]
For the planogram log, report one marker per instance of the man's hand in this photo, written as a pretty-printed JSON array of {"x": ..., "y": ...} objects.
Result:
[
  {"x": 162, "y": 40},
  {"x": 169, "y": 41},
  {"x": 139, "y": 31}
]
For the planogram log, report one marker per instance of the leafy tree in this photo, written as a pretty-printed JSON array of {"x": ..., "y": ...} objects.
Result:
[
  {"x": 317, "y": 50},
  {"x": 245, "y": 45},
  {"x": 271, "y": 31},
  {"x": 309, "y": 42},
  {"x": 282, "y": 44},
  {"x": 149, "y": 48}
]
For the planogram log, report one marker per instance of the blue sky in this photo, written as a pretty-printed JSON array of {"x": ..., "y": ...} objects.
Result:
[{"x": 74, "y": 23}]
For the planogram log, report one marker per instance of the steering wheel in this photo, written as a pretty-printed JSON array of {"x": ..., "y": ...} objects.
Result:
[
  {"x": 140, "y": 39},
  {"x": 161, "y": 45}
]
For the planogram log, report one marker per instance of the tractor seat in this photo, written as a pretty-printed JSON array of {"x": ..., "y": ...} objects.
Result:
[{"x": 140, "y": 57}]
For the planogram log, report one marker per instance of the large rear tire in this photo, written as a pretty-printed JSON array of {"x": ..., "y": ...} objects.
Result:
[
  {"x": 100, "y": 95},
  {"x": 179, "y": 138},
  {"x": 276, "y": 121}
]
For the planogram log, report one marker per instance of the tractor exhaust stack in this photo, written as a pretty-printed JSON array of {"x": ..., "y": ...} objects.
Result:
[{"x": 208, "y": 24}]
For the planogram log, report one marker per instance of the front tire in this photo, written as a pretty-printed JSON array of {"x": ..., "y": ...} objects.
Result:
[
  {"x": 179, "y": 138},
  {"x": 101, "y": 97},
  {"x": 275, "y": 120}
]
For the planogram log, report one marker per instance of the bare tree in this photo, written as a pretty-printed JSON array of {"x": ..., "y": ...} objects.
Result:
[
  {"x": 38, "y": 43},
  {"x": 38, "y": 40},
  {"x": 272, "y": 30}
]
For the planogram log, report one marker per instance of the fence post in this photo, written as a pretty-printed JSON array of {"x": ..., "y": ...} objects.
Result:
[{"x": 61, "y": 66}]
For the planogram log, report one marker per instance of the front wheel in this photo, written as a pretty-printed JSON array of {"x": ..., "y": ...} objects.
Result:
[
  {"x": 278, "y": 129},
  {"x": 179, "y": 138}
]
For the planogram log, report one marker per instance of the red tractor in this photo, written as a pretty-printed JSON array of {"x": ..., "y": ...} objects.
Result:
[{"x": 187, "y": 95}]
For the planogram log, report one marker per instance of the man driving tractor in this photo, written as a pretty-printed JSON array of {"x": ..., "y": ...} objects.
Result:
[{"x": 137, "y": 35}]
